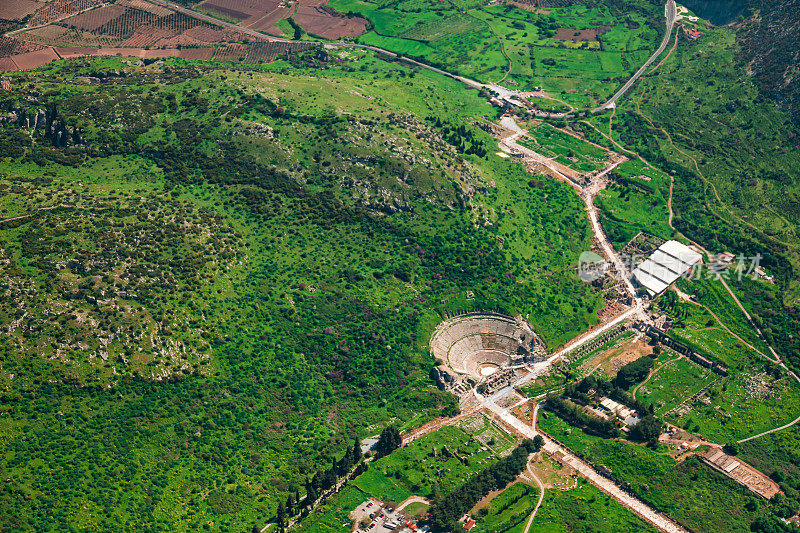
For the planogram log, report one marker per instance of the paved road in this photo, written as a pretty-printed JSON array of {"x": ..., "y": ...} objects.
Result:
[
  {"x": 584, "y": 469},
  {"x": 670, "y": 13}
]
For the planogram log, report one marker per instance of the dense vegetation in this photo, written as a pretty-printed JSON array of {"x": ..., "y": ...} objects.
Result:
[
  {"x": 446, "y": 511},
  {"x": 261, "y": 267}
]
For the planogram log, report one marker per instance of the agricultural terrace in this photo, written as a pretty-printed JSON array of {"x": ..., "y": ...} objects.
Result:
[{"x": 577, "y": 53}]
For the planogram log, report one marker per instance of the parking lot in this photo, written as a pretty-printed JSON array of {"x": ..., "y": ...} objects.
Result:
[{"x": 373, "y": 516}]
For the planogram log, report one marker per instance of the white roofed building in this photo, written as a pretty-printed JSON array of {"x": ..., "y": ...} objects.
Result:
[{"x": 671, "y": 261}]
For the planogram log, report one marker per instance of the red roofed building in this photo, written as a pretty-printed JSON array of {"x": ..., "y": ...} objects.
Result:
[
  {"x": 692, "y": 33},
  {"x": 469, "y": 524}
]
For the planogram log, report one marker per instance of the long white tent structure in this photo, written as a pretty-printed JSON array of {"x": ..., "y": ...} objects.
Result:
[{"x": 671, "y": 261}]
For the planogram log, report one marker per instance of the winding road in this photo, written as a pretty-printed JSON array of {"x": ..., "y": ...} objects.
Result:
[{"x": 670, "y": 11}]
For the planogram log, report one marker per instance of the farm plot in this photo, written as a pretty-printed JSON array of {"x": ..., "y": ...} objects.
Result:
[
  {"x": 56, "y": 35},
  {"x": 224, "y": 10},
  {"x": 17, "y": 9},
  {"x": 230, "y": 52},
  {"x": 125, "y": 24},
  {"x": 146, "y": 6},
  {"x": 130, "y": 27},
  {"x": 61, "y": 9},
  {"x": 318, "y": 19},
  {"x": 31, "y": 60},
  {"x": 146, "y": 36},
  {"x": 203, "y": 53},
  {"x": 7, "y": 65},
  {"x": 266, "y": 52},
  {"x": 96, "y": 18},
  {"x": 10, "y": 46},
  {"x": 254, "y": 14},
  {"x": 388, "y": 21},
  {"x": 442, "y": 28}
]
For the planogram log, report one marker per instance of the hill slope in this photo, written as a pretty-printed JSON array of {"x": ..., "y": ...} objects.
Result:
[{"x": 769, "y": 46}]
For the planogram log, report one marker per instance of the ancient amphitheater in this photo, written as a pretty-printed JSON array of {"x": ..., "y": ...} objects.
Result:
[{"x": 479, "y": 345}]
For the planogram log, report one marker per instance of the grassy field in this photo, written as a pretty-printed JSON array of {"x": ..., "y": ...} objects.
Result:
[
  {"x": 509, "y": 510},
  {"x": 675, "y": 382},
  {"x": 635, "y": 201},
  {"x": 425, "y": 466},
  {"x": 515, "y": 46},
  {"x": 564, "y": 148},
  {"x": 689, "y": 492},
  {"x": 584, "y": 508},
  {"x": 333, "y": 514},
  {"x": 742, "y": 405}
]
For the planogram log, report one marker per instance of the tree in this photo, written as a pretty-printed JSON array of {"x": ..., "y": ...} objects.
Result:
[
  {"x": 633, "y": 372},
  {"x": 389, "y": 441},
  {"x": 731, "y": 448},
  {"x": 648, "y": 430},
  {"x": 290, "y": 505},
  {"x": 355, "y": 452},
  {"x": 280, "y": 518},
  {"x": 538, "y": 442}
]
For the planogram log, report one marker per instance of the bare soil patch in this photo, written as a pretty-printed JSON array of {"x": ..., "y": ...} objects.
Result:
[
  {"x": 612, "y": 360},
  {"x": 69, "y": 52},
  {"x": 552, "y": 474},
  {"x": 31, "y": 60},
  {"x": 318, "y": 19},
  {"x": 224, "y": 11},
  {"x": 7, "y": 65},
  {"x": 576, "y": 36}
]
